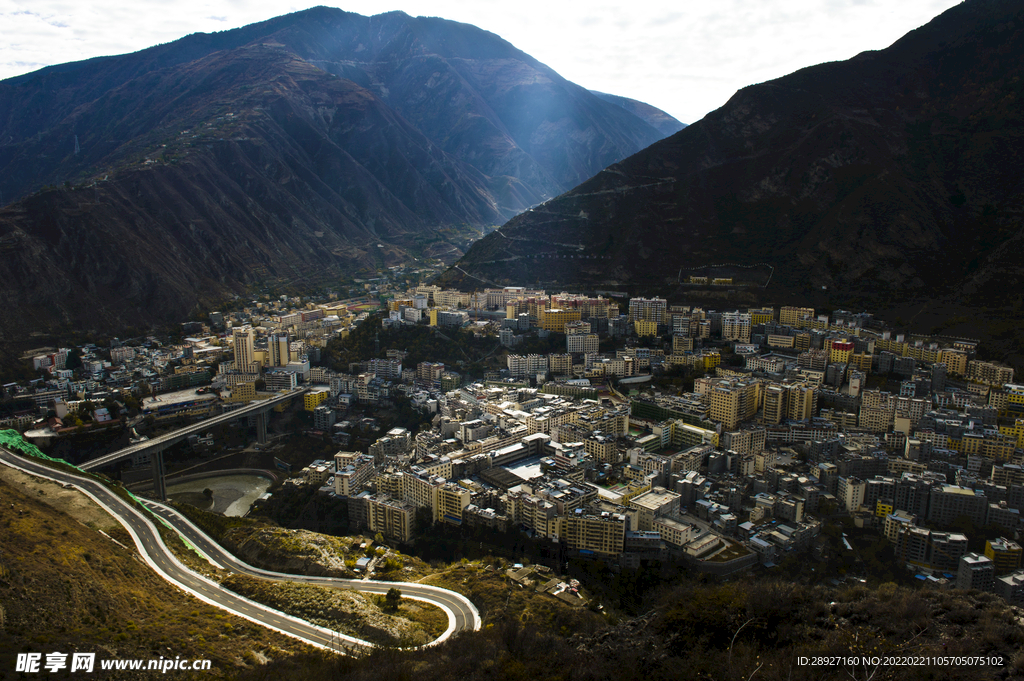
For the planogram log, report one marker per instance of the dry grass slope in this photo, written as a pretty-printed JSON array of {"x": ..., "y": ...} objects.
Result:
[{"x": 64, "y": 586}]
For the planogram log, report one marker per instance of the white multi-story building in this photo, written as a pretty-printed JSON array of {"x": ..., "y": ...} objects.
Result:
[
  {"x": 736, "y": 326},
  {"x": 530, "y": 365},
  {"x": 582, "y": 342}
]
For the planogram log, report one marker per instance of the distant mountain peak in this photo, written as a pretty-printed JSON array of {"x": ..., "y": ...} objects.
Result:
[
  {"x": 653, "y": 116},
  {"x": 283, "y": 150}
]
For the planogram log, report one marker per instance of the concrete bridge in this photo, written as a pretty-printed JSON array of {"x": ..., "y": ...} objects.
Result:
[{"x": 157, "y": 445}]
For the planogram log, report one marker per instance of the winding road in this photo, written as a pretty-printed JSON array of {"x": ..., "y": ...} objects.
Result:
[{"x": 462, "y": 615}]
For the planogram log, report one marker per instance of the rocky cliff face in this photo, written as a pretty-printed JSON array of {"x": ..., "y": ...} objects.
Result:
[
  {"x": 307, "y": 147},
  {"x": 888, "y": 177}
]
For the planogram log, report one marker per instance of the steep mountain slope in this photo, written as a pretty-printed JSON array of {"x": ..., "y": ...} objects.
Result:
[
  {"x": 472, "y": 93},
  {"x": 890, "y": 177},
  {"x": 661, "y": 121},
  {"x": 312, "y": 145},
  {"x": 310, "y": 174}
]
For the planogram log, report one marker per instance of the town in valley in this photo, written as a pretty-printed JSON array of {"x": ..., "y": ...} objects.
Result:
[{"x": 626, "y": 431}]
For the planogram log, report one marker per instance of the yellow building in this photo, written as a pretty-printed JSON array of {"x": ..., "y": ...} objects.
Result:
[
  {"x": 1004, "y": 554},
  {"x": 795, "y": 316},
  {"x": 555, "y": 320},
  {"x": 999, "y": 448},
  {"x": 1014, "y": 399},
  {"x": 840, "y": 351},
  {"x": 646, "y": 328},
  {"x": 776, "y": 341},
  {"x": 955, "y": 361},
  {"x": 891, "y": 345},
  {"x": 451, "y": 501},
  {"x": 685, "y": 435},
  {"x": 314, "y": 398},
  {"x": 1016, "y": 432},
  {"x": 733, "y": 402},
  {"x": 924, "y": 354},
  {"x": 861, "y": 361},
  {"x": 762, "y": 316},
  {"x": 243, "y": 392},
  {"x": 801, "y": 401}
]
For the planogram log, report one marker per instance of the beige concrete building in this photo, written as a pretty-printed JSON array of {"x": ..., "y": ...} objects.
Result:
[
  {"x": 394, "y": 518},
  {"x": 603, "y": 534},
  {"x": 795, "y": 316},
  {"x": 988, "y": 373}
]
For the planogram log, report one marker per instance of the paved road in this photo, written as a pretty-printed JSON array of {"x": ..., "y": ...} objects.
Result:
[{"x": 461, "y": 613}]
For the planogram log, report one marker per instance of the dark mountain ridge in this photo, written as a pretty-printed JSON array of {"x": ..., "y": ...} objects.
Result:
[
  {"x": 302, "y": 148},
  {"x": 887, "y": 178}
]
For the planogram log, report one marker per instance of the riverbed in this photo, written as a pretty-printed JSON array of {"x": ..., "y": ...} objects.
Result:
[{"x": 232, "y": 494}]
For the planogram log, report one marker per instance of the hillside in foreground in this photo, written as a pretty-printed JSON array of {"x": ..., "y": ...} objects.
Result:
[
  {"x": 66, "y": 587},
  {"x": 739, "y": 630}
]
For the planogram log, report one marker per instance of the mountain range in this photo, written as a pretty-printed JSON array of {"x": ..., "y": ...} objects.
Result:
[
  {"x": 315, "y": 145},
  {"x": 890, "y": 180}
]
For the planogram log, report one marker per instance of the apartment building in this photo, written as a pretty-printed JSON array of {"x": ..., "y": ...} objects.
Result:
[
  {"x": 554, "y": 320},
  {"x": 1004, "y": 553},
  {"x": 989, "y": 373},
  {"x": 795, "y": 317},
  {"x": 648, "y": 309},
  {"x": 578, "y": 343},
  {"x": 603, "y": 534},
  {"x": 736, "y": 326},
  {"x": 730, "y": 401},
  {"x": 949, "y": 502},
  {"x": 452, "y": 500},
  {"x": 394, "y": 518},
  {"x": 352, "y": 471},
  {"x": 975, "y": 572}
]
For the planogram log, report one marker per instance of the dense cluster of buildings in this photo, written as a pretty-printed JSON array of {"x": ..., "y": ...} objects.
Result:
[
  {"x": 813, "y": 415},
  {"x": 270, "y": 342},
  {"x": 793, "y": 417}
]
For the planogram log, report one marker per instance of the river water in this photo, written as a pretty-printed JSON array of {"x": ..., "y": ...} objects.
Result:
[{"x": 232, "y": 494}]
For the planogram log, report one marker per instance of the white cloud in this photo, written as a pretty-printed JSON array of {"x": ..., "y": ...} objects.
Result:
[{"x": 685, "y": 57}]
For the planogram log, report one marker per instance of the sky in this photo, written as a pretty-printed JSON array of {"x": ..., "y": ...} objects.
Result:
[{"x": 682, "y": 56}]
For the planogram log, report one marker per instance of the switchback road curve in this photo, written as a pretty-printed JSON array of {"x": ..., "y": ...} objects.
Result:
[{"x": 462, "y": 615}]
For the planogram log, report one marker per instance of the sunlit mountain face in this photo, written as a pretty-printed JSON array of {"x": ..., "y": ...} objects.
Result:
[{"x": 285, "y": 151}]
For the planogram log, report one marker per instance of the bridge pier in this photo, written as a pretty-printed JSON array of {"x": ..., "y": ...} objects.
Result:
[
  {"x": 261, "y": 427},
  {"x": 159, "y": 486}
]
